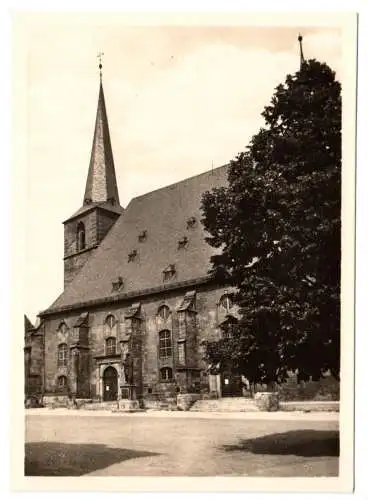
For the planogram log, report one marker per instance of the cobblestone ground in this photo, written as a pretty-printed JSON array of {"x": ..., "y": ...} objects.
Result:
[{"x": 67, "y": 445}]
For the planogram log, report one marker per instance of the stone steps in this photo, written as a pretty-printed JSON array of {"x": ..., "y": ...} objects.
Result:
[
  {"x": 225, "y": 405},
  {"x": 103, "y": 405}
]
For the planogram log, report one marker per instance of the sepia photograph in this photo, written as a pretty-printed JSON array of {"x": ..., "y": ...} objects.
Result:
[{"x": 185, "y": 203}]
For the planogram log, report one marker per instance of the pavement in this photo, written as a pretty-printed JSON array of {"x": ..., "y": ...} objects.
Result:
[
  {"x": 277, "y": 416},
  {"x": 162, "y": 443}
]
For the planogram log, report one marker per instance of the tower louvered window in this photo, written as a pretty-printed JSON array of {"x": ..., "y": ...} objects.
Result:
[{"x": 81, "y": 237}]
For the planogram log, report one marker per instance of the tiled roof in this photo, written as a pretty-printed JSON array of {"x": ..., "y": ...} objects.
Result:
[{"x": 164, "y": 215}]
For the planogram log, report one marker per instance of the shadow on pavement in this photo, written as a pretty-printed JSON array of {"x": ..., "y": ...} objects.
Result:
[
  {"x": 71, "y": 459},
  {"x": 302, "y": 443}
]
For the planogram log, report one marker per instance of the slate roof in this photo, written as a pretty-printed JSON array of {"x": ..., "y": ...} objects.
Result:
[
  {"x": 164, "y": 214},
  {"x": 101, "y": 180},
  {"x": 117, "y": 209},
  {"x": 27, "y": 324}
]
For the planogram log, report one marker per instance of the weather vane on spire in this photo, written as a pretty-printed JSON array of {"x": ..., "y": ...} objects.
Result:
[
  {"x": 99, "y": 57},
  {"x": 302, "y": 60}
]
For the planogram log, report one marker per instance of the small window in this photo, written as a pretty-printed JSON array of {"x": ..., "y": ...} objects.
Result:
[
  {"x": 165, "y": 348},
  {"x": 182, "y": 353},
  {"x": 164, "y": 312},
  {"x": 62, "y": 355},
  {"x": 62, "y": 384},
  {"x": 166, "y": 374},
  {"x": 111, "y": 346},
  {"x": 226, "y": 302},
  {"x": 81, "y": 237}
]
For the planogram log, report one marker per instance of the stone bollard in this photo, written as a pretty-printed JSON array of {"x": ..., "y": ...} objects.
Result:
[
  {"x": 185, "y": 401},
  {"x": 267, "y": 401}
]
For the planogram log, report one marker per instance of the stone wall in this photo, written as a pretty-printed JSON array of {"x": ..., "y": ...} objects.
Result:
[
  {"x": 34, "y": 363},
  {"x": 97, "y": 224},
  {"x": 197, "y": 325}
]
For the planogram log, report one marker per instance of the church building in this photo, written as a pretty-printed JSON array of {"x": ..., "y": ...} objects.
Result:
[{"x": 137, "y": 288}]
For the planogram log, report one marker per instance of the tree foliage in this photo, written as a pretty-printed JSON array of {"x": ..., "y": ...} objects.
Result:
[{"x": 277, "y": 224}]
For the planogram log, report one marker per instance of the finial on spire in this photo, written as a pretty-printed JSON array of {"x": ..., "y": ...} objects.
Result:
[
  {"x": 99, "y": 57},
  {"x": 300, "y": 40}
]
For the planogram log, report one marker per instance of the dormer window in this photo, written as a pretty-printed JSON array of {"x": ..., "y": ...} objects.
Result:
[
  {"x": 142, "y": 235},
  {"x": 191, "y": 222},
  {"x": 169, "y": 272},
  {"x": 182, "y": 243},
  {"x": 132, "y": 255},
  {"x": 81, "y": 237},
  {"x": 118, "y": 284}
]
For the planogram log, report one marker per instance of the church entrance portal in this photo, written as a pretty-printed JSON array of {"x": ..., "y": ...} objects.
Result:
[
  {"x": 231, "y": 385},
  {"x": 110, "y": 384}
]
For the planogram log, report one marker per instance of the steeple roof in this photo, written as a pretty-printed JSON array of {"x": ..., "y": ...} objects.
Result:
[{"x": 101, "y": 184}]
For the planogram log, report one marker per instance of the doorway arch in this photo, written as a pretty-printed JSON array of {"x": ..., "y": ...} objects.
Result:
[{"x": 110, "y": 384}]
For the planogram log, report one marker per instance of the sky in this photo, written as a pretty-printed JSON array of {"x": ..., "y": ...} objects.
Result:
[{"x": 180, "y": 99}]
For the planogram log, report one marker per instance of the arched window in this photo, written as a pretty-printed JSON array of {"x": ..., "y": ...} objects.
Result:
[
  {"x": 226, "y": 302},
  {"x": 164, "y": 312},
  {"x": 111, "y": 346},
  {"x": 165, "y": 348},
  {"x": 81, "y": 237},
  {"x": 110, "y": 321},
  {"x": 62, "y": 384},
  {"x": 62, "y": 357},
  {"x": 166, "y": 374}
]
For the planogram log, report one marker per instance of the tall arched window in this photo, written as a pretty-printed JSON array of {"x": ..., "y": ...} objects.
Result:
[
  {"x": 62, "y": 355},
  {"x": 81, "y": 237},
  {"x": 165, "y": 347},
  {"x": 111, "y": 346},
  {"x": 164, "y": 312},
  {"x": 62, "y": 384}
]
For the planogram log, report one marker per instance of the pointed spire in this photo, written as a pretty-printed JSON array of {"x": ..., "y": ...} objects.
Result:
[
  {"x": 302, "y": 60},
  {"x": 101, "y": 181}
]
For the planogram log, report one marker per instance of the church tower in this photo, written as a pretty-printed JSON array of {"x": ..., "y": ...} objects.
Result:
[{"x": 86, "y": 228}]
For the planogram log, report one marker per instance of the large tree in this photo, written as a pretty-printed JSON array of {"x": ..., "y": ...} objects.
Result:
[{"x": 277, "y": 225}]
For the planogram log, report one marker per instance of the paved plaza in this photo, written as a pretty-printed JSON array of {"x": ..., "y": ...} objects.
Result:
[{"x": 178, "y": 444}]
